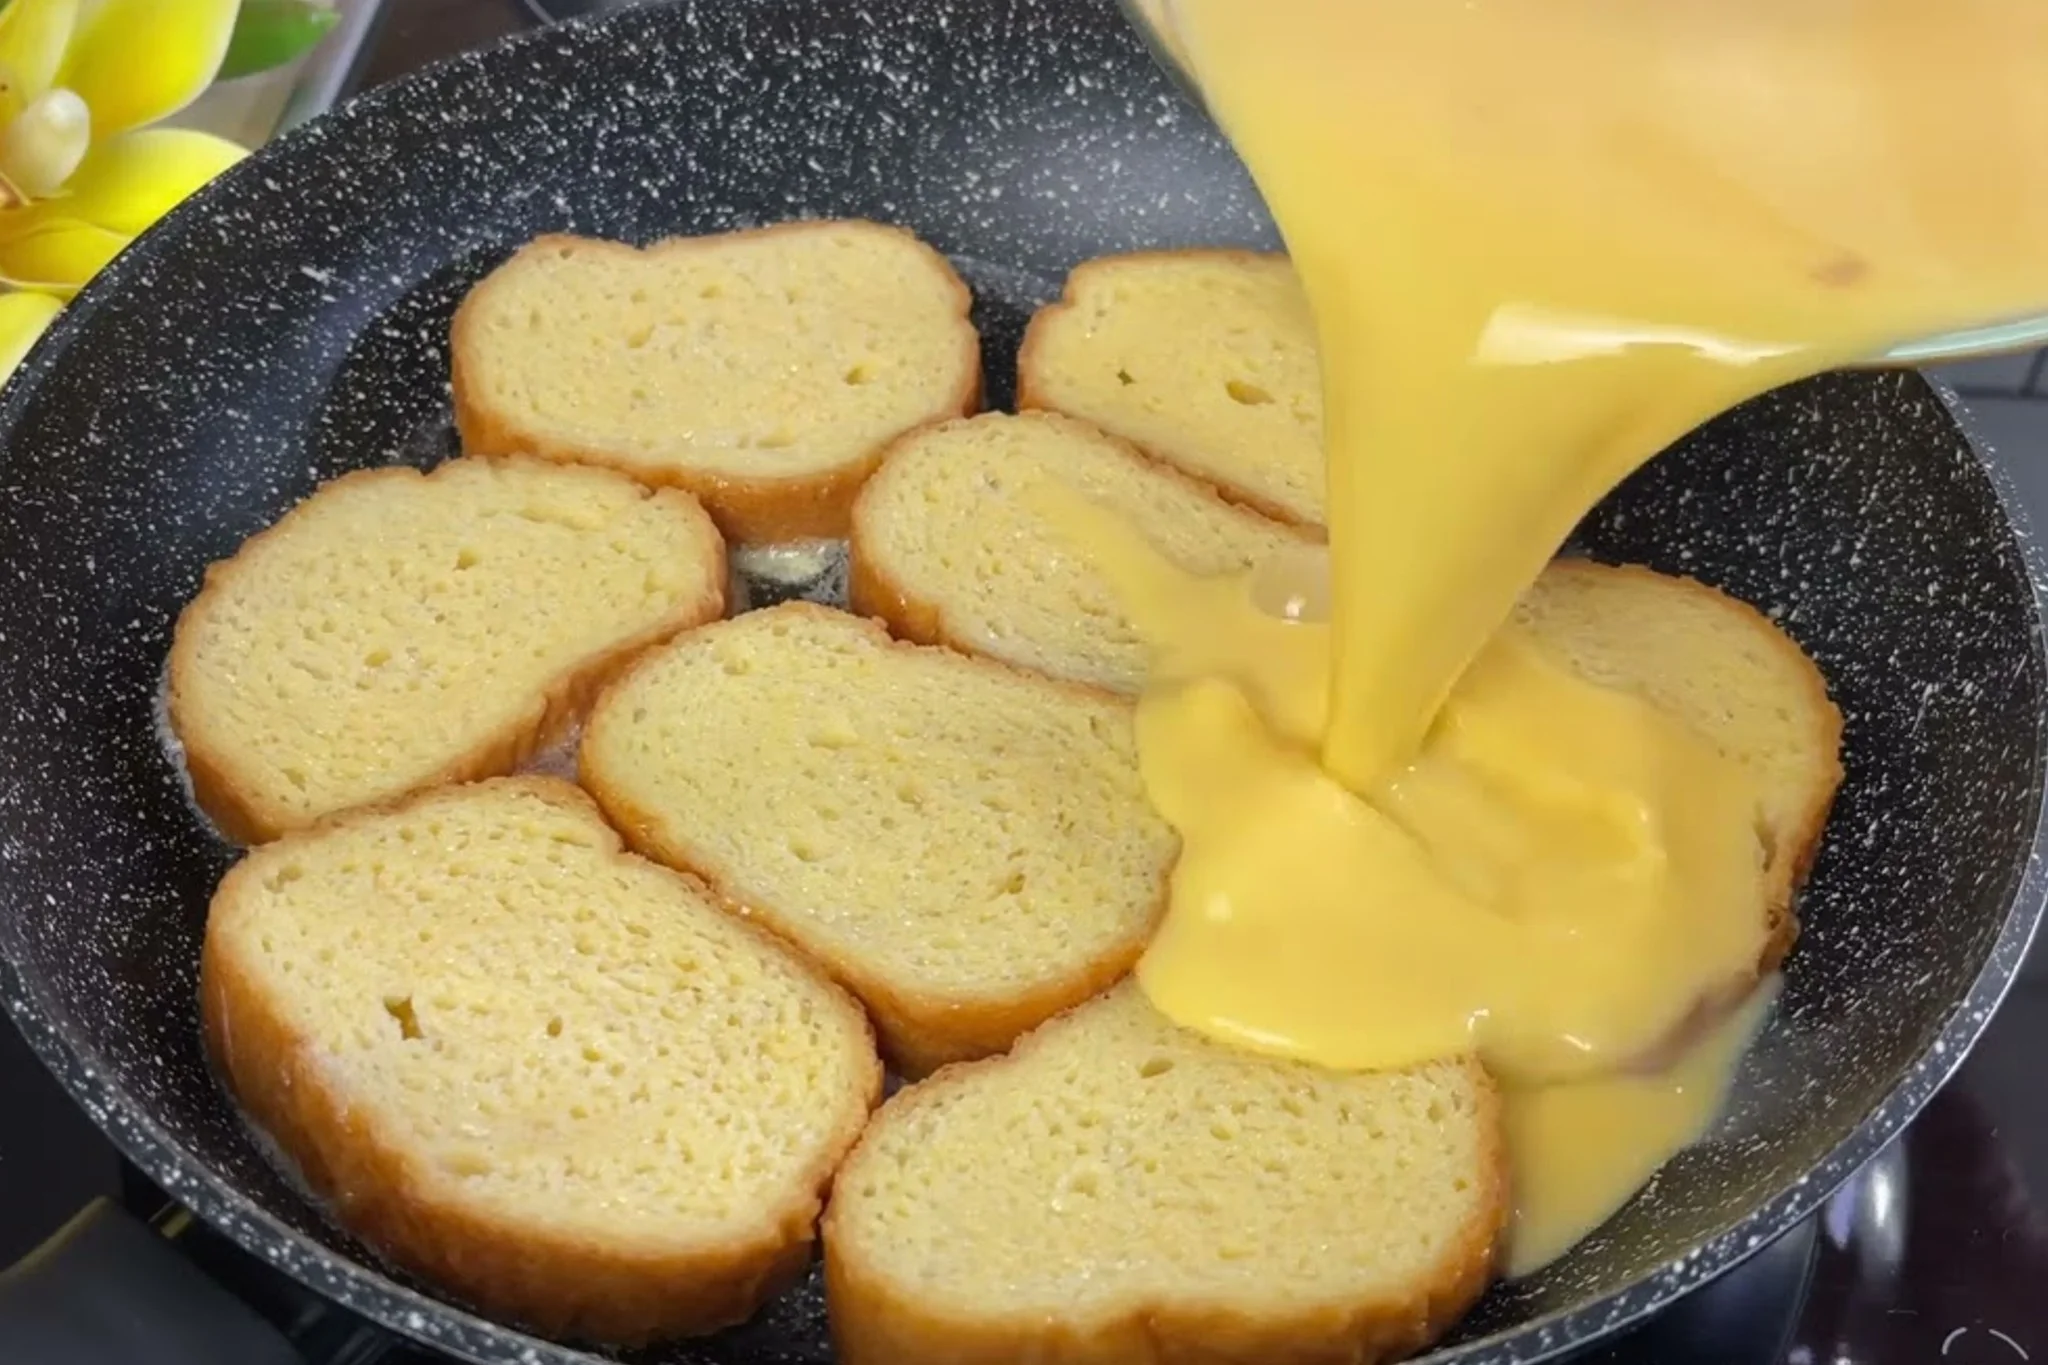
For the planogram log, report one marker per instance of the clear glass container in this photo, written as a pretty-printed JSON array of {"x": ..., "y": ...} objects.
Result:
[{"x": 1152, "y": 19}]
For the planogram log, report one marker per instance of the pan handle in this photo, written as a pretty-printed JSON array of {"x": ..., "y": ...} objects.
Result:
[{"x": 107, "y": 1290}]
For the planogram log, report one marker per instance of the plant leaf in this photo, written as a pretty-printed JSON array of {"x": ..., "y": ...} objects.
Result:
[{"x": 272, "y": 33}]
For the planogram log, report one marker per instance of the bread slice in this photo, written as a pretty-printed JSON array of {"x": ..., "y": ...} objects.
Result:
[
  {"x": 948, "y": 549},
  {"x": 1206, "y": 359},
  {"x": 1118, "y": 1189},
  {"x": 761, "y": 370},
  {"x": 395, "y": 631},
  {"x": 548, "y": 1076},
  {"x": 1726, "y": 670},
  {"x": 1281, "y": 1212},
  {"x": 965, "y": 847}
]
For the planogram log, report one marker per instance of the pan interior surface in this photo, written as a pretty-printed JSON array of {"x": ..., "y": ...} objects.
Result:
[{"x": 290, "y": 324}]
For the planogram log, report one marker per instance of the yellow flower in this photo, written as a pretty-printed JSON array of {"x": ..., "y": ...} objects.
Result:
[{"x": 80, "y": 171}]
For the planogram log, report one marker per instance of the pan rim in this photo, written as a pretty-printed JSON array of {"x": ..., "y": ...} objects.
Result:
[
  {"x": 369, "y": 1290},
  {"x": 362, "y": 1286}
]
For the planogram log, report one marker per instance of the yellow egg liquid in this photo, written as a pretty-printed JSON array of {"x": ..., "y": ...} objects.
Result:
[{"x": 1542, "y": 239}]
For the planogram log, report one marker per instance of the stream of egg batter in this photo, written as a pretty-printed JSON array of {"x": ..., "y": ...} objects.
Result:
[{"x": 1541, "y": 239}]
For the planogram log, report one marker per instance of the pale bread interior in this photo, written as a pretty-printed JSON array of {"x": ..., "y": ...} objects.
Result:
[
  {"x": 769, "y": 354},
  {"x": 396, "y": 630},
  {"x": 949, "y": 545},
  {"x": 551, "y": 1029},
  {"x": 1206, "y": 359},
  {"x": 501, "y": 1043},
  {"x": 967, "y": 847},
  {"x": 1115, "y": 1167}
]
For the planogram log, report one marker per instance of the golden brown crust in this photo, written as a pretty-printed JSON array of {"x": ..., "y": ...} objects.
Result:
[
  {"x": 918, "y": 1032},
  {"x": 872, "y": 591},
  {"x": 1031, "y": 395},
  {"x": 562, "y": 1286},
  {"x": 749, "y": 509},
  {"x": 239, "y": 808},
  {"x": 875, "y": 1322}
]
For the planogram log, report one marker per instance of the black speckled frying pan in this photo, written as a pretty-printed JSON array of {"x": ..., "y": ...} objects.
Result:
[{"x": 291, "y": 324}]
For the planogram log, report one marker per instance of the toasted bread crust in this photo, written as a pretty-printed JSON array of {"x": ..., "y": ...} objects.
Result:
[
  {"x": 872, "y": 591},
  {"x": 876, "y": 1322},
  {"x": 244, "y": 814},
  {"x": 1031, "y": 390},
  {"x": 562, "y": 1286},
  {"x": 919, "y": 1032},
  {"x": 749, "y": 509}
]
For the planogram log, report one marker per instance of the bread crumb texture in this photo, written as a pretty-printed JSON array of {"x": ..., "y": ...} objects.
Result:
[
  {"x": 396, "y": 630},
  {"x": 950, "y": 547},
  {"x": 967, "y": 847},
  {"x": 1206, "y": 359},
  {"x": 402, "y": 629},
  {"x": 763, "y": 370},
  {"x": 542, "y": 1071},
  {"x": 1121, "y": 1189}
]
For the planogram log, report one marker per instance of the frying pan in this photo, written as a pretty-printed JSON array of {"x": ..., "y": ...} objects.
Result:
[{"x": 291, "y": 323}]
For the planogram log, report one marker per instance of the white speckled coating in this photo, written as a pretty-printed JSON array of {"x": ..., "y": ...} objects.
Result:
[{"x": 290, "y": 323}]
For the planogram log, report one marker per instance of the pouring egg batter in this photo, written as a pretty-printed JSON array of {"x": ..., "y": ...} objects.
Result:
[{"x": 1542, "y": 239}]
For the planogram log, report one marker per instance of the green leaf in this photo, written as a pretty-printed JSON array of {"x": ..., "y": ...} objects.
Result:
[{"x": 270, "y": 33}]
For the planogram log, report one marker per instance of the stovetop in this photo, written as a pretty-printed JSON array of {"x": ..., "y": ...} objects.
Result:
[{"x": 1936, "y": 1253}]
